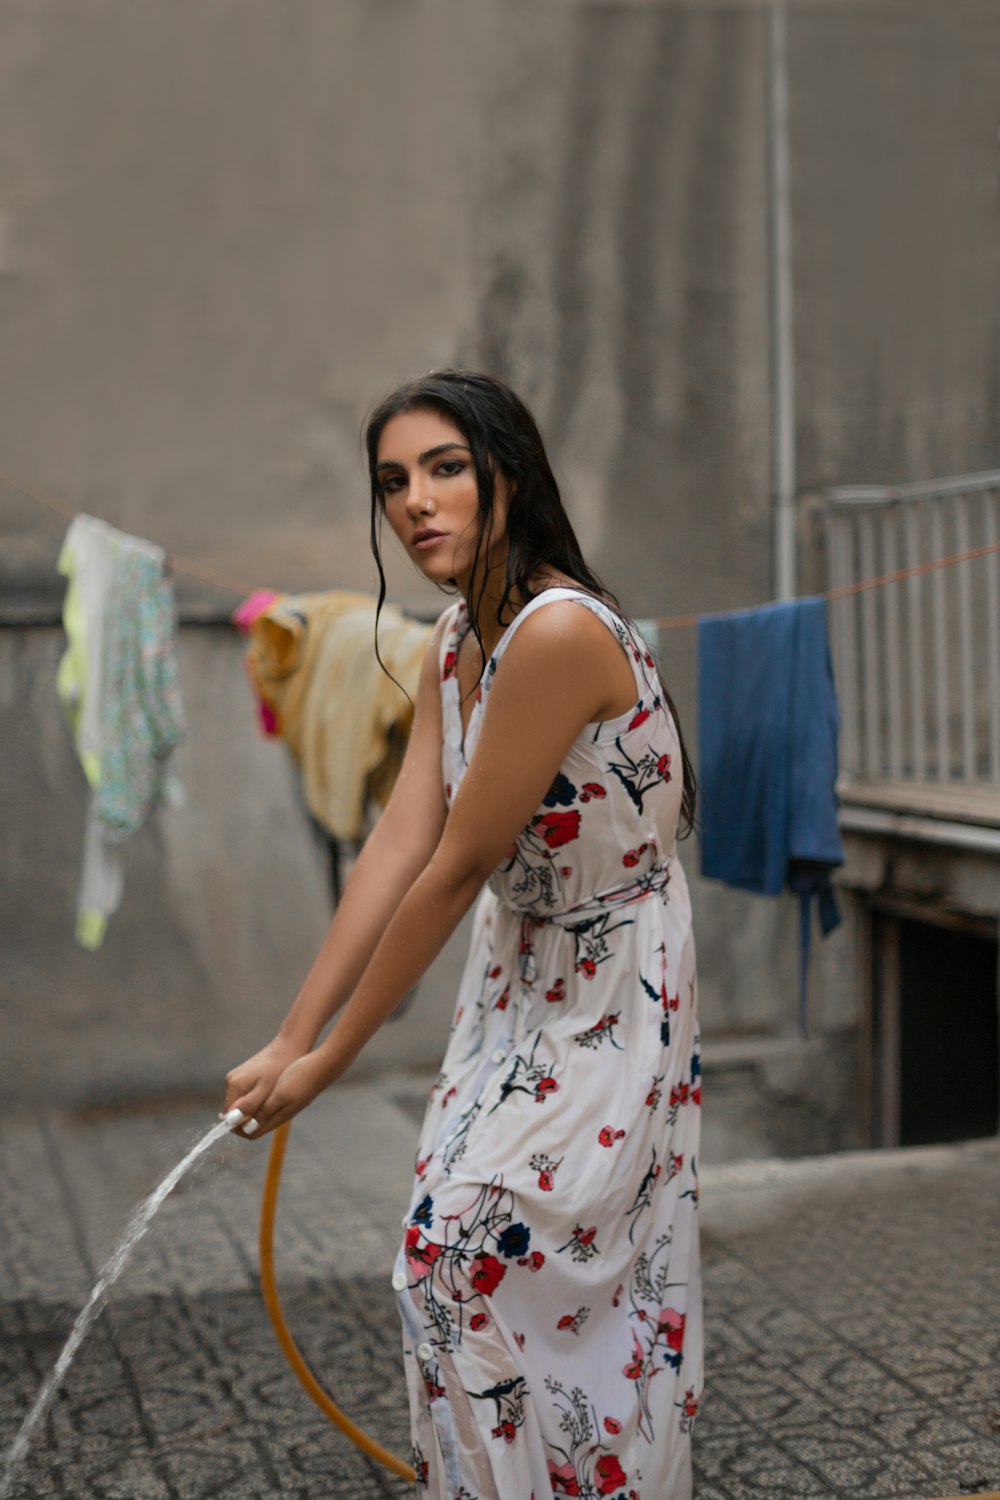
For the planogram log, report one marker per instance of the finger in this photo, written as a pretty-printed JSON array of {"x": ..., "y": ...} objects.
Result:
[
  {"x": 237, "y": 1085},
  {"x": 249, "y": 1106},
  {"x": 268, "y": 1120}
]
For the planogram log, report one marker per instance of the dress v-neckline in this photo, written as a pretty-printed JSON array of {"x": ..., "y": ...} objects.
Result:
[{"x": 477, "y": 692}]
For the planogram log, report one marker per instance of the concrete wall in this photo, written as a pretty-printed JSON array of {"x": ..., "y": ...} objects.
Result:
[
  {"x": 225, "y": 229},
  {"x": 225, "y": 901}
]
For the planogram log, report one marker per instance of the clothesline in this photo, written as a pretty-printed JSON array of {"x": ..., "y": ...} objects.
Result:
[
  {"x": 177, "y": 564},
  {"x": 668, "y": 622}
]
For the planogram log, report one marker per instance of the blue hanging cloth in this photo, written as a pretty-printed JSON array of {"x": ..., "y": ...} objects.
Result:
[{"x": 767, "y": 750}]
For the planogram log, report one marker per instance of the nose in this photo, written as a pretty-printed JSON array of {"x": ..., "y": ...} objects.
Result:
[{"x": 419, "y": 500}]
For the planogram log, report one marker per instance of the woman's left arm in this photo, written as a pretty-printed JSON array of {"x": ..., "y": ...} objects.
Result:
[{"x": 558, "y": 670}]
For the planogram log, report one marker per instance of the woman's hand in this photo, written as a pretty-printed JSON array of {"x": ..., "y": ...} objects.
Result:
[
  {"x": 296, "y": 1086},
  {"x": 250, "y": 1084}
]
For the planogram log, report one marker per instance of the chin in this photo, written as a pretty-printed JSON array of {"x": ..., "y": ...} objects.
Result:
[{"x": 437, "y": 569}]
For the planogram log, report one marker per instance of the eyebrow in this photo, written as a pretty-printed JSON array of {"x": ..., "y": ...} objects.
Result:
[{"x": 423, "y": 458}]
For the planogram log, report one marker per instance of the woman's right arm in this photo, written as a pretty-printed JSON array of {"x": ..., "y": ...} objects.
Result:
[{"x": 394, "y": 854}]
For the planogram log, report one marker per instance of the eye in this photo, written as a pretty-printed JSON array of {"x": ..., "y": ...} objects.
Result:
[
  {"x": 390, "y": 486},
  {"x": 449, "y": 467}
]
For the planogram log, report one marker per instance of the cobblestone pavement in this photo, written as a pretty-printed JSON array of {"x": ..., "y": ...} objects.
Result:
[{"x": 851, "y": 1302}]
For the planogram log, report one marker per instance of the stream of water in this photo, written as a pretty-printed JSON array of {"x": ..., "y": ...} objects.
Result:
[{"x": 109, "y": 1274}]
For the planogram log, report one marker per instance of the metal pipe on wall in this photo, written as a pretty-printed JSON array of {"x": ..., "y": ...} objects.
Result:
[{"x": 781, "y": 313}]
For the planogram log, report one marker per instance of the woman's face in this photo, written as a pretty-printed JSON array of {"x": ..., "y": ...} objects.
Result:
[{"x": 428, "y": 485}]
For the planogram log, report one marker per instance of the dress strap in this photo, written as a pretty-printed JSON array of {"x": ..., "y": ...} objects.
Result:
[{"x": 635, "y": 648}]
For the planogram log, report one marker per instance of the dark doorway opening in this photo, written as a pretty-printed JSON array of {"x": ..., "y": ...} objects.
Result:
[{"x": 938, "y": 1031}]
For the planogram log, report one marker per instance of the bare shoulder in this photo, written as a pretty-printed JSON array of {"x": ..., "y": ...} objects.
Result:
[
  {"x": 565, "y": 640},
  {"x": 565, "y": 625}
]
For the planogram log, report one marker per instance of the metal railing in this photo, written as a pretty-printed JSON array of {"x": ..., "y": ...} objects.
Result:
[{"x": 918, "y": 661}]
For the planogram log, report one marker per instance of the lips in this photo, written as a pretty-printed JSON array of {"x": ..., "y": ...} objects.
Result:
[{"x": 426, "y": 538}]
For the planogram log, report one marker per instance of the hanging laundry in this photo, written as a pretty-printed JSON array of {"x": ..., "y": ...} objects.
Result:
[
  {"x": 119, "y": 688},
  {"x": 312, "y": 660},
  {"x": 767, "y": 749},
  {"x": 243, "y": 617}
]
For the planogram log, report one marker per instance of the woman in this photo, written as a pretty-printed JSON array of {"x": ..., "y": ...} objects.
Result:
[{"x": 549, "y": 1281}]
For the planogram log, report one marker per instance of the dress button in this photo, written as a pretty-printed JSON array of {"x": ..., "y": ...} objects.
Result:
[
  {"x": 499, "y": 1055},
  {"x": 424, "y": 1353},
  {"x": 399, "y": 1281}
]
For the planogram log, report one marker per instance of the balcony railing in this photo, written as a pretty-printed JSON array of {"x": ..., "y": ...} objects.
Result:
[{"x": 918, "y": 661}]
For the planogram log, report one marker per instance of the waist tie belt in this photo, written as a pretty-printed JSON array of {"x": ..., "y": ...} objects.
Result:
[{"x": 583, "y": 914}]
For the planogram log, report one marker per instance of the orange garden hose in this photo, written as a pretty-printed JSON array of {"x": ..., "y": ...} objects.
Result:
[{"x": 289, "y": 1348}]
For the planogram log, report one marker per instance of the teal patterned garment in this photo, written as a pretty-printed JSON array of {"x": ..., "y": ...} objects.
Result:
[{"x": 143, "y": 717}]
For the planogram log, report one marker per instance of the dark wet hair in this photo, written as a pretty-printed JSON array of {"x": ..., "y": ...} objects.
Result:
[{"x": 505, "y": 442}]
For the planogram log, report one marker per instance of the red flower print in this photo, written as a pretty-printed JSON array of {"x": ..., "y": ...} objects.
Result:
[
  {"x": 544, "y": 1087},
  {"x": 566, "y": 1321},
  {"x": 565, "y": 871},
  {"x": 638, "y": 718},
  {"x": 506, "y": 1430},
  {"x": 612, "y": 1425},
  {"x": 564, "y": 1481},
  {"x": 592, "y": 792},
  {"x": 587, "y": 1236},
  {"x": 685, "y": 1090},
  {"x": 421, "y": 1256},
  {"x": 610, "y": 1474},
  {"x": 633, "y": 1370},
  {"x": 546, "y": 1169},
  {"x": 696, "y": 1096},
  {"x": 487, "y": 1274},
  {"x": 608, "y": 1135},
  {"x": 587, "y": 968},
  {"x": 557, "y": 992},
  {"x": 504, "y": 1000},
  {"x": 672, "y": 1324},
  {"x": 496, "y": 971},
  {"x": 558, "y": 828},
  {"x": 449, "y": 666},
  {"x": 421, "y": 1167},
  {"x": 535, "y": 1260},
  {"x": 616, "y": 1299},
  {"x": 632, "y": 856},
  {"x": 519, "y": 1340},
  {"x": 477, "y": 1321},
  {"x": 663, "y": 767}
]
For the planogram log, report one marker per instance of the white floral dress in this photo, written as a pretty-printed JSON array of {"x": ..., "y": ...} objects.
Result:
[{"x": 549, "y": 1280}]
